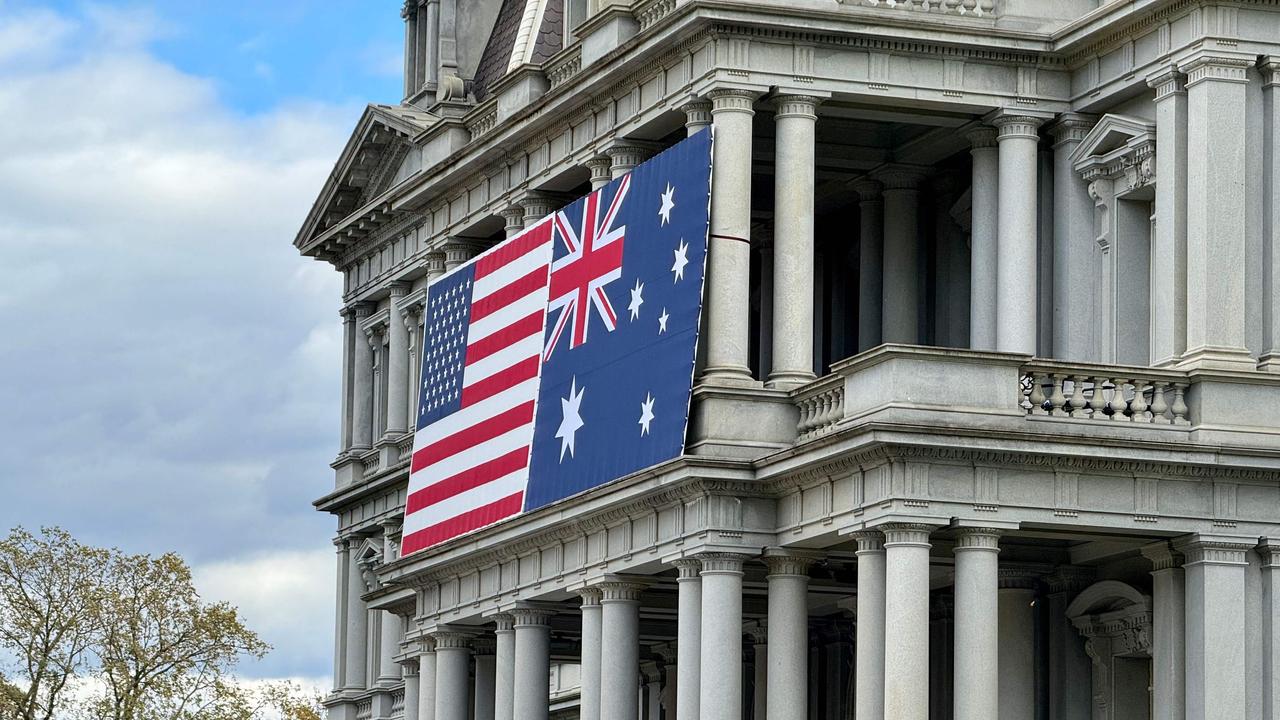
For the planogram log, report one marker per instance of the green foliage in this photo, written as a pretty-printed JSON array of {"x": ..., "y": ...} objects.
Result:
[{"x": 130, "y": 631}]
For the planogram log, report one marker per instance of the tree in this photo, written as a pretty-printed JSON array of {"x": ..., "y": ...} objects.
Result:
[{"x": 50, "y": 596}]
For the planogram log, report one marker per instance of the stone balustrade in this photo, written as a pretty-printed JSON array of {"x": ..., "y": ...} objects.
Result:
[
  {"x": 1104, "y": 393},
  {"x": 364, "y": 709},
  {"x": 397, "y": 703},
  {"x": 649, "y": 12},
  {"x": 973, "y": 8},
  {"x": 821, "y": 406},
  {"x": 405, "y": 447}
]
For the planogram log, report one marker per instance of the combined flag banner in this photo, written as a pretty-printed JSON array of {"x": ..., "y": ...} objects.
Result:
[{"x": 562, "y": 359}]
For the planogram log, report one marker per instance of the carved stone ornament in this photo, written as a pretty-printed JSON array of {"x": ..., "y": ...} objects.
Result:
[{"x": 1120, "y": 148}]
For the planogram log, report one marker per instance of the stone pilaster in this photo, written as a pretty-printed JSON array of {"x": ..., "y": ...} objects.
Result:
[
  {"x": 1215, "y": 627},
  {"x": 1017, "y": 276},
  {"x": 1169, "y": 249},
  {"x": 397, "y": 365},
  {"x": 1073, "y": 243},
  {"x": 1269, "y": 551},
  {"x": 1270, "y": 360},
  {"x": 362, "y": 384},
  {"x": 788, "y": 632},
  {"x": 349, "y": 332},
  {"x": 721, "y": 665},
  {"x": 1168, "y": 642}
]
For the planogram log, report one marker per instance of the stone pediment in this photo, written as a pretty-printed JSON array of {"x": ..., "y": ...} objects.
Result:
[
  {"x": 368, "y": 163},
  {"x": 1118, "y": 147}
]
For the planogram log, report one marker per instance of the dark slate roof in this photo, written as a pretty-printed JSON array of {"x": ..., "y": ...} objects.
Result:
[
  {"x": 497, "y": 52},
  {"x": 550, "y": 38}
]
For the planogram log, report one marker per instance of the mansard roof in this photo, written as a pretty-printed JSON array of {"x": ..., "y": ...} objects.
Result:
[
  {"x": 363, "y": 172},
  {"x": 526, "y": 32}
]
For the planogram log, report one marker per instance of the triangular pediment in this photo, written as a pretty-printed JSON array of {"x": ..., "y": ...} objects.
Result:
[
  {"x": 1114, "y": 134},
  {"x": 366, "y": 167}
]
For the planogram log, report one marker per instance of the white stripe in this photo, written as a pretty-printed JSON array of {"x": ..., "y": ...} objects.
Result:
[
  {"x": 473, "y": 457},
  {"x": 514, "y": 270},
  {"x": 473, "y": 414},
  {"x": 466, "y": 501},
  {"x": 528, "y": 347},
  {"x": 516, "y": 310}
]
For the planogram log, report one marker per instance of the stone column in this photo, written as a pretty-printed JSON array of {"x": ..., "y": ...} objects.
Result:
[
  {"x": 870, "y": 262},
  {"x": 1269, "y": 550},
  {"x": 697, "y": 116},
  {"x": 349, "y": 331},
  {"x": 485, "y": 679},
  {"x": 409, "y": 671},
  {"x": 601, "y": 171},
  {"x": 1215, "y": 606},
  {"x": 537, "y": 206},
  {"x": 409, "y": 12},
  {"x": 788, "y": 633},
  {"x": 760, "y": 678},
  {"x": 1073, "y": 243},
  {"x": 592, "y": 654},
  {"x": 624, "y": 156},
  {"x": 1270, "y": 360},
  {"x": 1016, "y": 275},
  {"x": 427, "y": 680},
  {"x": 411, "y": 314},
  {"x": 1168, "y": 642},
  {"x": 721, "y": 666},
  {"x": 688, "y": 637},
  {"x": 397, "y": 365},
  {"x": 512, "y": 220},
  {"x": 453, "y": 674},
  {"x": 793, "y": 264},
  {"x": 457, "y": 251},
  {"x": 984, "y": 214},
  {"x": 1016, "y": 655},
  {"x": 900, "y": 310},
  {"x": 1216, "y": 226},
  {"x": 729, "y": 261},
  {"x": 532, "y": 694},
  {"x": 357, "y": 630},
  {"x": 1070, "y": 670},
  {"x": 977, "y": 628},
  {"x": 620, "y": 633},
  {"x": 869, "y": 649},
  {"x": 906, "y": 625},
  {"x": 362, "y": 384},
  {"x": 390, "y": 633},
  {"x": 1169, "y": 249},
  {"x": 504, "y": 671}
]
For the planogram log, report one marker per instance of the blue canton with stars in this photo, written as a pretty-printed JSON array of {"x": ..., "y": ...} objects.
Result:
[
  {"x": 447, "y": 321},
  {"x": 619, "y": 402}
]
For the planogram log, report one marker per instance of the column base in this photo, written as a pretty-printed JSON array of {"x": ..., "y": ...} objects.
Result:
[
  {"x": 1270, "y": 362},
  {"x": 789, "y": 380},
  {"x": 1217, "y": 358},
  {"x": 729, "y": 376}
]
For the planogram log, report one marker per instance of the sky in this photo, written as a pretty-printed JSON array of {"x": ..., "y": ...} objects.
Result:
[{"x": 170, "y": 364}]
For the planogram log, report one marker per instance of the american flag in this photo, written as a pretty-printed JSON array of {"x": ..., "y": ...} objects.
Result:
[
  {"x": 479, "y": 384},
  {"x": 534, "y": 386}
]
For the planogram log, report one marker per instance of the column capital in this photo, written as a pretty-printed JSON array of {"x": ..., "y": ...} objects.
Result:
[
  {"x": 1070, "y": 128},
  {"x": 1010, "y": 125},
  {"x": 979, "y": 136},
  {"x": 1269, "y": 550},
  {"x": 457, "y": 251},
  {"x": 590, "y": 596},
  {"x": 978, "y": 538},
  {"x": 758, "y": 630},
  {"x": 697, "y": 112},
  {"x": 530, "y": 615},
  {"x": 399, "y": 288},
  {"x": 503, "y": 622},
  {"x": 626, "y": 153},
  {"x": 435, "y": 264},
  {"x": 1269, "y": 66},
  {"x": 1167, "y": 81},
  {"x": 1069, "y": 579},
  {"x": 1021, "y": 576},
  {"x": 513, "y": 215},
  {"x": 687, "y": 567},
  {"x": 450, "y": 638},
  {"x": 798, "y": 105},
  {"x": 1203, "y": 65},
  {"x": 868, "y": 190},
  {"x": 739, "y": 100},
  {"x": 1200, "y": 550},
  {"x": 360, "y": 310},
  {"x": 900, "y": 177},
  {"x": 722, "y": 563},
  {"x": 785, "y": 561},
  {"x": 538, "y": 204},
  {"x": 484, "y": 646},
  {"x": 869, "y": 541},
  {"x": 618, "y": 588},
  {"x": 906, "y": 534},
  {"x": 1162, "y": 556},
  {"x": 599, "y": 165}
]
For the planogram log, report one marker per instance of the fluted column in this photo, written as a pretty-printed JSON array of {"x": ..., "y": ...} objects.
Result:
[
  {"x": 1016, "y": 654},
  {"x": 624, "y": 156},
  {"x": 504, "y": 670},
  {"x": 512, "y": 221},
  {"x": 1215, "y": 606},
  {"x": 900, "y": 309},
  {"x": 906, "y": 636},
  {"x": 362, "y": 384},
  {"x": 977, "y": 628},
  {"x": 721, "y": 669},
  {"x": 592, "y": 654},
  {"x": 532, "y": 694},
  {"x": 397, "y": 365},
  {"x": 1168, "y": 641},
  {"x": 1269, "y": 551},
  {"x": 870, "y": 262},
  {"x": 688, "y": 637},
  {"x": 600, "y": 167},
  {"x": 729, "y": 270},
  {"x": 869, "y": 648},
  {"x": 1017, "y": 279},
  {"x": 788, "y": 633},
  {"x": 620, "y": 633},
  {"x": 1169, "y": 246},
  {"x": 1216, "y": 227},
  {"x": 453, "y": 674},
  {"x": 984, "y": 223},
  {"x": 794, "y": 124},
  {"x": 1270, "y": 360},
  {"x": 697, "y": 116},
  {"x": 427, "y": 680},
  {"x": 1074, "y": 325},
  {"x": 485, "y": 679}
]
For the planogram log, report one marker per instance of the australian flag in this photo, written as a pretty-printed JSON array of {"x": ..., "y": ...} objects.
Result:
[{"x": 562, "y": 359}]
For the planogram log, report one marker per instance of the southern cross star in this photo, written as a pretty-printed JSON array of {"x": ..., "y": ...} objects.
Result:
[
  {"x": 662, "y": 321},
  {"x": 636, "y": 300},
  {"x": 667, "y": 204},
  {"x": 571, "y": 420},
  {"x": 681, "y": 260},
  {"x": 646, "y": 414}
]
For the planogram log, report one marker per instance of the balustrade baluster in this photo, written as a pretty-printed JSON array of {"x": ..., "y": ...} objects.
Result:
[
  {"x": 1077, "y": 396},
  {"x": 1118, "y": 401},
  {"x": 1138, "y": 406},
  {"x": 986, "y": 8},
  {"x": 1098, "y": 400},
  {"x": 1180, "y": 405},
  {"x": 1057, "y": 400},
  {"x": 1159, "y": 406},
  {"x": 1036, "y": 396},
  {"x": 824, "y": 411}
]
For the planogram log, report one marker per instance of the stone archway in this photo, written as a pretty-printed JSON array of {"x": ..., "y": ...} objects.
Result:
[{"x": 1115, "y": 620}]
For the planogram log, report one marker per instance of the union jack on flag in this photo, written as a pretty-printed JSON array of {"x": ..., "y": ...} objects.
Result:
[{"x": 534, "y": 387}]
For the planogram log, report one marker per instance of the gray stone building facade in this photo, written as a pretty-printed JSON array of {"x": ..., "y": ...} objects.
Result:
[{"x": 986, "y": 417}]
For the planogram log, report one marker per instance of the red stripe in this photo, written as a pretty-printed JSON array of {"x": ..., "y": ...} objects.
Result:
[
  {"x": 468, "y": 438},
  {"x": 509, "y": 293},
  {"x": 463, "y": 523},
  {"x": 468, "y": 479},
  {"x": 505, "y": 338},
  {"x": 517, "y": 246},
  {"x": 526, "y": 369}
]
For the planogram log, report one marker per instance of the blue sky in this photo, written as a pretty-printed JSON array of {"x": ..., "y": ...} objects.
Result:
[{"x": 170, "y": 364}]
